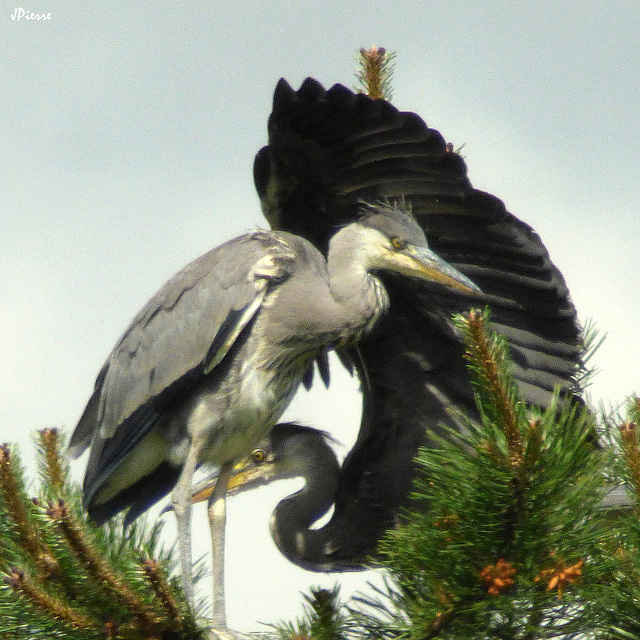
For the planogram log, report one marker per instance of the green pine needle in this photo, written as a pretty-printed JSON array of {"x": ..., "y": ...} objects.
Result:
[{"x": 62, "y": 577}]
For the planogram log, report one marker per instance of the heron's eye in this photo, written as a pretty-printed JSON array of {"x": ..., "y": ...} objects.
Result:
[
  {"x": 258, "y": 456},
  {"x": 398, "y": 243}
]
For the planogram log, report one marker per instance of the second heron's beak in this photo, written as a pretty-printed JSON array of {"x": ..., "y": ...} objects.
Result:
[
  {"x": 421, "y": 262},
  {"x": 247, "y": 474}
]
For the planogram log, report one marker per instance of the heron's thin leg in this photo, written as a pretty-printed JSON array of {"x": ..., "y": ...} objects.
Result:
[
  {"x": 217, "y": 521},
  {"x": 181, "y": 499}
]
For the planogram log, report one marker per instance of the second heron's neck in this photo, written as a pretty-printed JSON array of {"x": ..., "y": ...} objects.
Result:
[{"x": 293, "y": 516}]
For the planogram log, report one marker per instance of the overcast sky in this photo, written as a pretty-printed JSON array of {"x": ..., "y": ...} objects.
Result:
[{"x": 128, "y": 134}]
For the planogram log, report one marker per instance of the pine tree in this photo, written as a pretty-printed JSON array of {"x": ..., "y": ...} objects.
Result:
[{"x": 508, "y": 537}]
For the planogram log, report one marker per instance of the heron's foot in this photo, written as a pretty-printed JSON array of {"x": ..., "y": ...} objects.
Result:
[{"x": 223, "y": 634}]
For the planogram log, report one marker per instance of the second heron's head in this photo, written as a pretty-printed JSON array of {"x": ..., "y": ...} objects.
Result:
[{"x": 290, "y": 450}]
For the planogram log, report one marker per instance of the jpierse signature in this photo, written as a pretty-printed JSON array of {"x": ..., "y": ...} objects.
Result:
[{"x": 21, "y": 14}]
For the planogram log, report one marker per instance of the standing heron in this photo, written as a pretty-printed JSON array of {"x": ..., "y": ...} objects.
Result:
[
  {"x": 327, "y": 151},
  {"x": 214, "y": 358}
]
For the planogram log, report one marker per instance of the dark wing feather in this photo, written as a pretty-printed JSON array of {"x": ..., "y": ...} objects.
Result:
[
  {"x": 182, "y": 333},
  {"x": 330, "y": 149}
]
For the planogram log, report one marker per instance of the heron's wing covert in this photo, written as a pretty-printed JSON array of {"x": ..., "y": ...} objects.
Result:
[
  {"x": 182, "y": 333},
  {"x": 330, "y": 149}
]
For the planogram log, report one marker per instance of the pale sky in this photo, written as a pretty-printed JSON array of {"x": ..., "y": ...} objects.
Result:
[{"x": 128, "y": 134}]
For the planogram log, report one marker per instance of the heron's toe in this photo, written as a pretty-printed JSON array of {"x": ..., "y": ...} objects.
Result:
[{"x": 226, "y": 634}]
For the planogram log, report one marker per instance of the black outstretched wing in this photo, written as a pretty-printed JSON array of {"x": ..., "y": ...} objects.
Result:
[{"x": 330, "y": 149}]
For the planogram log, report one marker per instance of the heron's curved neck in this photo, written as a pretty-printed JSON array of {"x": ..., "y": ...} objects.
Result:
[
  {"x": 293, "y": 516},
  {"x": 359, "y": 294}
]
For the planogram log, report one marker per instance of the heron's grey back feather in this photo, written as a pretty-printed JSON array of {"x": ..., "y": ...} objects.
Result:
[{"x": 159, "y": 358}]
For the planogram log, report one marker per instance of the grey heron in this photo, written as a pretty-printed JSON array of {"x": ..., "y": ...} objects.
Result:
[
  {"x": 210, "y": 363},
  {"x": 290, "y": 450},
  {"x": 327, "y": 150}
]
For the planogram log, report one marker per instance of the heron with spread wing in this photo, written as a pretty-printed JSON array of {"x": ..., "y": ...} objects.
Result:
[
  {"x": 330, "y": 149},
  {"x": 207, "y": 367}
]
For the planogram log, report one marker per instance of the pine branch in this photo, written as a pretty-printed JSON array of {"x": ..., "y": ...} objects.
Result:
[
  {"x": 487, "y": 356},
  {"x": 54, "y": 473},
  {"x": 630, "y": 448},
  {"x": 325, "y": 618},
  {"x": 375, "y": 70},
  {"x": 618, "y": 602},
  {"x": 19, "y": 515},
  {"x": 32, "y": 594},
  {"x": 103, "y": 585},
  {"x": 97, "y": 567},
  {"x": 158, "y": 581},
  {"x": 506, "y": 540}
]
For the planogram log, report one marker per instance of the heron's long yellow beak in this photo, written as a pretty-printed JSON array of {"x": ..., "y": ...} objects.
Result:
[
  {"x": 422, "y": 263},
  {"x": 246, "y": 475}
]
